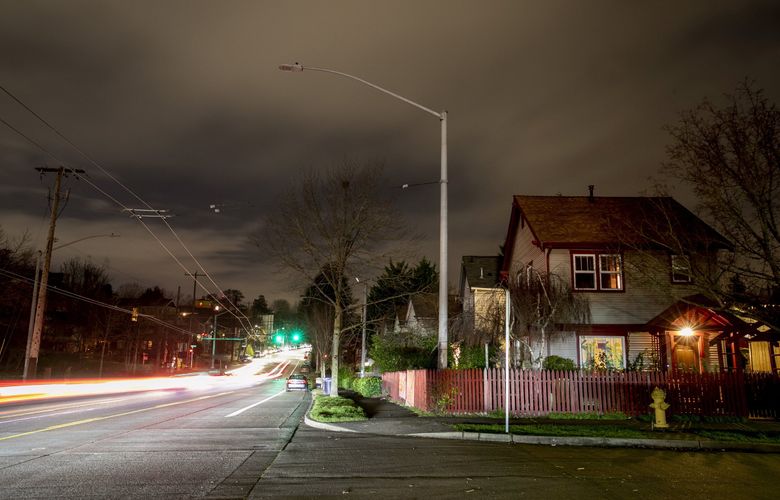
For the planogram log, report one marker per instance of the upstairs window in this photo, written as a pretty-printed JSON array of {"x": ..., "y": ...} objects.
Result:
[
  {"x": 610, "y": 272},
  {"x": 585, "y": 272},
  {"x": 597, "y": 271},
  {"x": 681, "y": 269}
]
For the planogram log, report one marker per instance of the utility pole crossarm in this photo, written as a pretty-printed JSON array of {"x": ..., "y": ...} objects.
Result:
[{"x": 144, "y": 213}]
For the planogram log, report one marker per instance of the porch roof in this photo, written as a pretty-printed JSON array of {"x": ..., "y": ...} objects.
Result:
[{"x": 698, "y": 313}]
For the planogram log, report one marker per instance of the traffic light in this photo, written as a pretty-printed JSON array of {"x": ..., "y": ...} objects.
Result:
[
  {"x": 296, "y": 337},
  {"x": 279, "y": 339},
  {"x": 134, "y": 317}
]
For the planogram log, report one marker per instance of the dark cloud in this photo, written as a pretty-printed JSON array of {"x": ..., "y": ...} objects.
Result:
[{"x": 182, "y": 101}]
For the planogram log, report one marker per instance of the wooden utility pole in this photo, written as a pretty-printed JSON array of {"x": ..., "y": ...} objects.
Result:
[
  {"x": 194, "y": 286},
  {"x": 31, "y": 359}
]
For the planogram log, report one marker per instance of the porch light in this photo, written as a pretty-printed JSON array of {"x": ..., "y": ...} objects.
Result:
[{"x": 686, "y": 332}]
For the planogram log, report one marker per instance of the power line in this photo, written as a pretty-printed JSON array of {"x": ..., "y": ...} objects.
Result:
[
  {"x": 243, "y": 317},
  {"x": 89, "y": 300}
]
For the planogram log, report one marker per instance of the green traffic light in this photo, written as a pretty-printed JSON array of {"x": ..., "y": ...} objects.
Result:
[
  {"x": 296, "y": 337},
  {"x": 279, "y": 339}
]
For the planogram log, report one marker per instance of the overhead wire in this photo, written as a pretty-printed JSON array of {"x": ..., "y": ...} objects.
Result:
[
  {"x": 243, "y": 318},
  {"x": 132, "y": 193},
  {"x": 89, "y": 300}
]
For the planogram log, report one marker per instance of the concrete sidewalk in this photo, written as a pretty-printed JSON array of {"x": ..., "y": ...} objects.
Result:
[{"x": 388, "y": 418}]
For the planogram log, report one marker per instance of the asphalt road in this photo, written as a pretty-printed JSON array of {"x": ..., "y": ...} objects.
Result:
[
  {"x": 214, "y": 439},
  {"x": 246, "y": 440}
]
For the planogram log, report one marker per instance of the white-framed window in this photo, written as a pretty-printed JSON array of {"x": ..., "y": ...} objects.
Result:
[
  {"x": 681, "y": 269},
  {"x": 593, "y": 271},
  {"x": 584, "y": 272},
  {"x": 600, "y": 352}
]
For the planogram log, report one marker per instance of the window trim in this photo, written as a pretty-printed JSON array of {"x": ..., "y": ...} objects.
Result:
[
  {"x": 575, "y": 272},
  {"x": 587, "y": 336},
  {"x": 672, "y": 273},
  {"x": 597, "y": 271}
]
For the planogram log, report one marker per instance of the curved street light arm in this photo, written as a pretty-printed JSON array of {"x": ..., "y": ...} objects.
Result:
[
  {"x": 112, "y": 235},
  {"x": 300, "y": 67}
]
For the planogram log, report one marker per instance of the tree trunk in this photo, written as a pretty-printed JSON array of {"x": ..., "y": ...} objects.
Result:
[{"x": 334, "y": 361}]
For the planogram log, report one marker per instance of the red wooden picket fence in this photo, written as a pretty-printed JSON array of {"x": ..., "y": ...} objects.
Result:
[{"x": 541, "y": 392}]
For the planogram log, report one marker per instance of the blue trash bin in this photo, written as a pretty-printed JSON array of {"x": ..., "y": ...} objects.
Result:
[{"x": 326, "y": 385}]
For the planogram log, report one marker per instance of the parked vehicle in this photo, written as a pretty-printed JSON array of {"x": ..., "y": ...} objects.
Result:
[{"x": 297, "y": 382}]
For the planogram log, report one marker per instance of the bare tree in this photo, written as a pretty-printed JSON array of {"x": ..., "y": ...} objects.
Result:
[
  {"x": 335, "y": 219},
  {"x": 729, "y": 155},
  {"x": 540, "y": 304}
]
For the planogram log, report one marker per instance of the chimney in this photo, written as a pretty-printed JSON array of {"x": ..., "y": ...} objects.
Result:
[{"x": 590, "y": 193}]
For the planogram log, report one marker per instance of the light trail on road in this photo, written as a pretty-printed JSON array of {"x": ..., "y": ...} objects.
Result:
[
  {"x": 115, "y": 415},
  {"x": 243, "y": 376}
]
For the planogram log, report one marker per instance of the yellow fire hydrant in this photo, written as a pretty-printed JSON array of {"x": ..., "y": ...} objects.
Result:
[{"x": 660, "y": 407}]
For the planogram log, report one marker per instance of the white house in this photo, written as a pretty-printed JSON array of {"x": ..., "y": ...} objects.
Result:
[{"x": 637, "y": 287}]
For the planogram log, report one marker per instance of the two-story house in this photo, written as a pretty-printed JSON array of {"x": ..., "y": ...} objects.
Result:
[
  {"x": 639, "y": 287},
  {"x": 481, "y": 294}
]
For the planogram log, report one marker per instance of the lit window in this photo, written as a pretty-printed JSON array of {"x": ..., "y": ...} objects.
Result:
[
  {"x": 585, "y": 272},
  {"x": 597, "y": 272},
  {"x": 610, "y": 272},
  {"x": 602, "y": 353},
  {"x": 681, "y": 269}
]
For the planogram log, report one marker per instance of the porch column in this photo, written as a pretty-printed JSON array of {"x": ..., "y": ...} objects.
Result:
[{"x": 772, "y": 360}]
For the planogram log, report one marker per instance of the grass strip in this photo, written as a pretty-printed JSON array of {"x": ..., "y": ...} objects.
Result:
[
  {"x": 616, "y": 431},
  {"x": 336, "y": 409}
]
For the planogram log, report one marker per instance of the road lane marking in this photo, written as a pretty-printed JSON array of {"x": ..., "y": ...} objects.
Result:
[
  {"x": 242, "y": 410},
  {"x": 21, "y": 412},
  {"x": 97, "y": 419}
]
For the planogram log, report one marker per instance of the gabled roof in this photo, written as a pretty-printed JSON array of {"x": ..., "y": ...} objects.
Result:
[
  {"x": 426, "y": 306},
  {"x": 601, "y": 221},
  {"x": 481, "y": 271},
  {"x": 584, "y": 219}
]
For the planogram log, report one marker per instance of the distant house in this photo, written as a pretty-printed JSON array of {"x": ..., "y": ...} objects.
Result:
[
  {"x": 640, "y": 291},
  {"x": 481, "y": 293},
  {"x": 422, "y": 313}
]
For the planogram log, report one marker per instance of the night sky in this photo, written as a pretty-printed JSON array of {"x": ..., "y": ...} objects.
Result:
[{"x": 183, "y": 102}]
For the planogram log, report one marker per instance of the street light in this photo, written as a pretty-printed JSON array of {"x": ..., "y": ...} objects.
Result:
[
  {"x": 217, "y": 314},
  {"x": 35, "y": 325},
  {"x": 442, "y": 116}
]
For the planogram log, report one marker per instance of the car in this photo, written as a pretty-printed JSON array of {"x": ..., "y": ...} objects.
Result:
[
  {"x": 297, "y": 382},
  {"x": 305, "y": 369}
]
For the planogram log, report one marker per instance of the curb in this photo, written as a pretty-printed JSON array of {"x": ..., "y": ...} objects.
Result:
[
  {"x": 322, "y": 425},
  {"x": 666, "y": 444},
  {"x": 670, "y": 444}
]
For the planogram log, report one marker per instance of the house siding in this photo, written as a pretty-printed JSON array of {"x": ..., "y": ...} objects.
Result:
[
  {"x": 639, "y": 343},
  {"x": 526, "y": 252},
  {"x": 563, "y": 344},
  {"x": 644, "y": 294},
  {"x": 489, "y": 306}
]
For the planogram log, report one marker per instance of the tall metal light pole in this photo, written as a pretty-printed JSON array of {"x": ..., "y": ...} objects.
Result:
[
  {"x": 442, "y": 116},
  {"x": 363, "y": 335}
]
